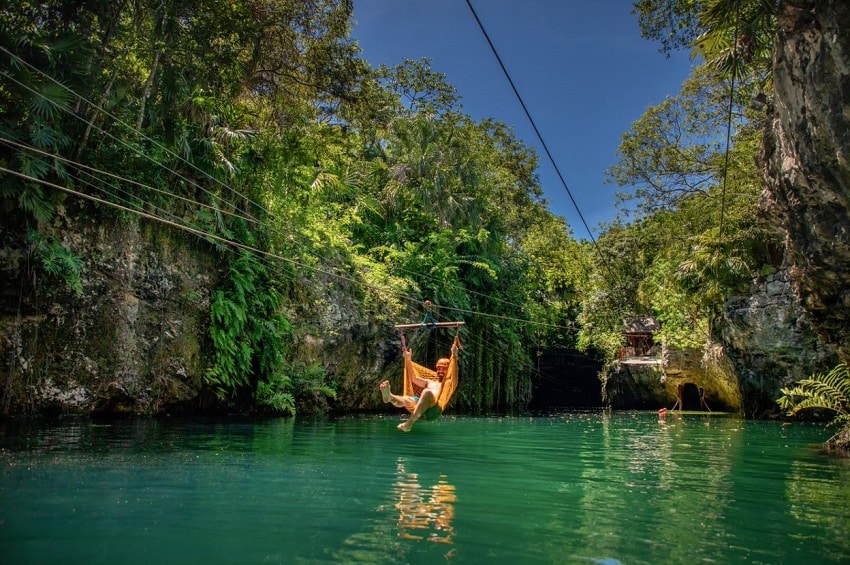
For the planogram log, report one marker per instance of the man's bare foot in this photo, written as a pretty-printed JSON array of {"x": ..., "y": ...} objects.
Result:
[
  {"x": 385, "y": 390},
  {"x": 405, "y": 426}
]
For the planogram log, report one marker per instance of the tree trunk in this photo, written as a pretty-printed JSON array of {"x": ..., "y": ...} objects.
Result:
[
  {"x": 805, "y": 158},
  {"x": 148, "y": 89}
]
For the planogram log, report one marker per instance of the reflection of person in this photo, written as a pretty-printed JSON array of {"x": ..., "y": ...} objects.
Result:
[
  {"x": 425, "y": 509},
  {"x": 426, "y": 404}
]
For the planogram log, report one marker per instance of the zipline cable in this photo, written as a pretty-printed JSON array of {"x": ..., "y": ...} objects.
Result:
[
  {"x": 247, "y": 216},
  {"x": 538, "y": 134},
  {"x": 204, "y": 234}
]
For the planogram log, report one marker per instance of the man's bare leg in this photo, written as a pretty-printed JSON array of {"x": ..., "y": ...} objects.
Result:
[
  {"x": 425, "y": 402},
  {"x": 394, "y": 399}
]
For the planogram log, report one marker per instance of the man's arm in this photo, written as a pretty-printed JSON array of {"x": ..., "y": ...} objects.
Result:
[{"x": 408, "y": 366}]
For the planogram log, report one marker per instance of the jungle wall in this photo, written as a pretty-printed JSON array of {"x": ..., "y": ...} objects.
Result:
[{"x": 135, "y": 340}]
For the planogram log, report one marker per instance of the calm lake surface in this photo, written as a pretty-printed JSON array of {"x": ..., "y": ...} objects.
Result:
[{"x": 587, "y": 487}]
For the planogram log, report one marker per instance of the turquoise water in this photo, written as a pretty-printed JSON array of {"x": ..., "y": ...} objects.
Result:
[{"x": 574, "y": 488}]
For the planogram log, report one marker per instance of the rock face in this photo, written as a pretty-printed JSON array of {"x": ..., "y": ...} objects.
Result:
[
  {"x": 136, "y": 340},
  {"x": 767, "y": 342},
  {"x": 770, "y": 341},
  {"x": 805, "y": 159},
  {"x": 132, "y": 341},
  {"x": 681, "y": 379}
]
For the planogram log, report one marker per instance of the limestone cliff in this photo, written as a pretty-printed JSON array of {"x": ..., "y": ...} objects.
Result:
[
  {"x": 132, "y": 341},
  {"x": 136, "y": 339},
  {"x": 769, "y": 339},
  {"x": 805, "y": 158},
  {"x": 766, "y": 342}
]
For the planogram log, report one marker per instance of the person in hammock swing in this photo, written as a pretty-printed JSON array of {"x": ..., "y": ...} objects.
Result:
[{"x": 435, "y": 392}]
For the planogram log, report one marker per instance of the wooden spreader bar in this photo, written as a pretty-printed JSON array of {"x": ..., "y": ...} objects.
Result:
[{"x": 429, "y": 325}]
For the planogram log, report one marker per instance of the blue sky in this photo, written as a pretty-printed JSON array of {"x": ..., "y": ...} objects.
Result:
[{"x": 581, "y": 68}]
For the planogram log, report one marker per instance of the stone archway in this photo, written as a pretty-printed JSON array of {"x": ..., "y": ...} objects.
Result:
[{"x": 690, "y": 396}]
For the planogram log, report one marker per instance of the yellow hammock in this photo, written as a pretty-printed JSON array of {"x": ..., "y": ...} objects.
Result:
[{"x": 412, "y": 369}]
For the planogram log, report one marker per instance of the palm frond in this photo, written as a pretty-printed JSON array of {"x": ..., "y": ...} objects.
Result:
[{"x": 51, "y": 99}]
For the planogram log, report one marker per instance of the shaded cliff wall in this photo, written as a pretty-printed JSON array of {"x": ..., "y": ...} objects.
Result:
[
  {"x": 769, "y": 339},
  {"x": 566, "y": 378},
  {"x": 806, "y": 158},
  {"x": 136, "y": 339},
  {"x": 350, "y": 336},
  {"x": 132, "y": 341}
]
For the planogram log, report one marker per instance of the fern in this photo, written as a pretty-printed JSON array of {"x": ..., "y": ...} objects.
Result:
[
  {"x": 33, "y": 166},
  {"x": 275, "y": 394},
  {"x": 46, "y": 137},
  {"x": 56, "y": 260},
  {"x": 822, "y": 392},
  {"x": 311, "y": 381},
  {"x": 227, "y": 321},
  {"x": 248, "y": 334}
]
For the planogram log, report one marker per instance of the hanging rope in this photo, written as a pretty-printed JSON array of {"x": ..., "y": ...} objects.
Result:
[{"x": 729, "y": 127}]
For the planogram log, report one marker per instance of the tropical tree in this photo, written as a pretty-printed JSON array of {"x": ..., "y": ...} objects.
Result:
[
  {"x": 688, "y": 165},
  {"x": 254, "y": 124}
]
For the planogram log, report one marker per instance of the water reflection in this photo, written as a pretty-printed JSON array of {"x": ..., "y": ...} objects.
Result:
[
  {"x": 812, "y": 495},
  {"x": 572, "y": 488},
  {"x": 670, "y": 478},
  {"x": 425, "y": 513}
]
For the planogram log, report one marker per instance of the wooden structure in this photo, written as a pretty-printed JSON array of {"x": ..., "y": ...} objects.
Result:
[
  {"x": 640, "y": 343},
  {"x": 426, "y": 325}
]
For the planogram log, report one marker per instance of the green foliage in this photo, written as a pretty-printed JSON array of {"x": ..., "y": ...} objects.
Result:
[
  {"x": 296, "y": 385},
  {"x": 56, "y": 260},
  {"x": 711, "y": 269},
  {"x": 674, "y": 152},
  {"x": 247, "y": 331},
  {"x": 823, "y": 392},
  {"x": 257, "y": 122},
  {"x": 679, "y": 311},
  {"x": 730, "y": 35},
  {"x": 421, "y": 90},
  {"x": 674, "y": 23},
  {"x": 275, "y": 394},
  {"x": 737, "y": 36},
  {"x": 32, "y": 199},
  {"x": 696, "y": 238},
  {"x": 249, "y": 335}
]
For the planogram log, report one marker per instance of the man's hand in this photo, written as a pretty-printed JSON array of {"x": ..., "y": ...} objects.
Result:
[{"x": 456, "y": 345}]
